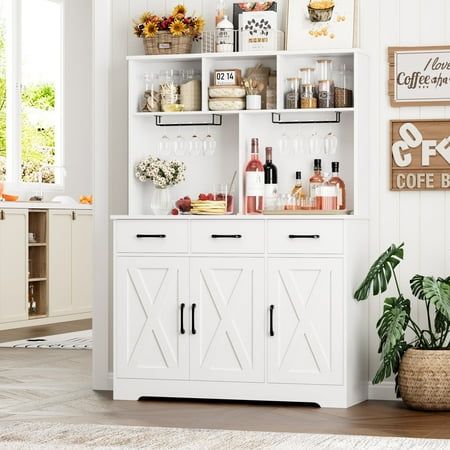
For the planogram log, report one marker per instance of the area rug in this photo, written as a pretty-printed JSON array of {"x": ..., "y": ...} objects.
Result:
[
  {"x": 28, "y": 435},
  {"x": 78, "y": 340}
]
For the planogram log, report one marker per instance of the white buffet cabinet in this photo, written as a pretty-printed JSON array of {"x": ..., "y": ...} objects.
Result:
[
  {"x": 243, "y": 307},
  {"x": 263, "y": 313},
  {"x": 58, "y": 265}
]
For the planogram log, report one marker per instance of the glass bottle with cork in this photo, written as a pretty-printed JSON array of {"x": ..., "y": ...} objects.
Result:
[
  {"x": 254, "y": 181},
  {"x": 292, "y": 95},
  {"x": 297, "y": 191},
  {"x": 340, "y": 186},
  {"x": 316, "y": 179}
]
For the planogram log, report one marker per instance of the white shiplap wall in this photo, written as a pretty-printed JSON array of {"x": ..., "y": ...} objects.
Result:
[{"x": 422, "y": 220}]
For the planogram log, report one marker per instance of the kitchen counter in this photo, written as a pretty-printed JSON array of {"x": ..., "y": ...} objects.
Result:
[{"x": 43, "y": 205}]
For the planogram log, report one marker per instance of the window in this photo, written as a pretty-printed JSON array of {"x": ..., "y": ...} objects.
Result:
[{"x": 30, "y": 91}]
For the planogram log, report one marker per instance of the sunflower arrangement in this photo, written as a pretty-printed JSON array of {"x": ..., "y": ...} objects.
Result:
[{"x": 178, "y": 24}]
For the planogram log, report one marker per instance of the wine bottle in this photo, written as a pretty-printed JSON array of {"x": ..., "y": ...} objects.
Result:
[
  {"x": 297, "y": 191},
  {"x": 270, "y": 181},
  {"x": 254, "y": 181},
  {"x": 340, "y": 186},
  {"x": 316, "y": 179}
]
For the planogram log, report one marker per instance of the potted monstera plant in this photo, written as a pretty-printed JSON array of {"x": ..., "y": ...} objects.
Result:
[{"x": 419, "y": 357}]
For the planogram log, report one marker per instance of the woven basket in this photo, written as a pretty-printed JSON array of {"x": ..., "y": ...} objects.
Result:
[
  {"x": 424, "y": 379},
  {"x": 164, "y": 43}
]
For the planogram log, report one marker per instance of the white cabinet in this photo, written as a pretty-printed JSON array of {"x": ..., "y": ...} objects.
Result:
[
  {"x": 227, "y": 309},
  {"x": 70, "y": 262},
  {"x": 275, "y": 323},
  {"x": 305, "y": 307},
  {"x": 13, "y": 265},
  {"x": 151, "y": 318}
]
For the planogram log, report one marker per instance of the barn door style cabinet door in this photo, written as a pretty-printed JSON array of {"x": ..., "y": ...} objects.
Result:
[
  {"x": 70, "y": 262},
  {"x": 305, "y": 307},
  {"x": 227, "y": 312},
  {"x": 13, "y": 265},
  {"x": 151, "y": 321}
]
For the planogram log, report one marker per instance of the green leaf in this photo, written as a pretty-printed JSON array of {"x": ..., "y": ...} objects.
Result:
[
  {"x": 380, "y": 273},
  {"x": 392, "y": 324},
  {"x": 438, "y": 293},
  {"x": 416, "y": 284},
  {"x": 390, "y": 362},
  {"x": 440, "y": 322}
]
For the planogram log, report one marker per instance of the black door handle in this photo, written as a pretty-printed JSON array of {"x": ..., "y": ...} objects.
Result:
[
  {"x": 194, "y": 331},
  {"x": 182, "y": 330},
  {"x": 226, "y": 236},
  {"x": 272, "y": 307},
  {"x": 304, "y": 236},
  {"x": 145, "y": 236}
]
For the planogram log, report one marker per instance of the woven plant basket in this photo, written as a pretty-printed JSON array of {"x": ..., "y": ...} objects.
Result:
[
  {"x": 424, "y": 379},
  {"x": 164, "y": 43}
]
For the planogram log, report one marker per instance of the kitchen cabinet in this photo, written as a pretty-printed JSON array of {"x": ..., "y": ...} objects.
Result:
[
  {"x": 305, "y": 304},
  {"x": 267, "y": 320},
  {"x": 70, "y": 262},
  {"x": 13, "y": 265}
]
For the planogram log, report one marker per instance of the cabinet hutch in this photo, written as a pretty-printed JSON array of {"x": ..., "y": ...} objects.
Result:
[{"x": 238, "y": 306}]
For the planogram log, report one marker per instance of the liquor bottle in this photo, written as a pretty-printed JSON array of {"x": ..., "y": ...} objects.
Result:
[
  {"x": 317, "y": 179},
  {"x": 270, "y": 181},
  {"x": 220, "y": 11},
  {"x": 254, "y": 181},
  {"x": 32, "y": 301},
  {"x": 326, "y": 195},
  {"x": 340, "y": 186},
  {"x": 297, "y": 191}
]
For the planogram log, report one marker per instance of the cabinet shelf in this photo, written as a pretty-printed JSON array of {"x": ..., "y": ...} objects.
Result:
[
  {"x": 37, "y": 279},
  {"x": 37, "y": 316},
  {"x": 37, "y": 244}
]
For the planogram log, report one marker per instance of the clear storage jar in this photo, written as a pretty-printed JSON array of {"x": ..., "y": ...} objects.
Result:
[
  {"x": 170, "y": 90},
  {"x": 308, "y": 95},
  {"x": 150, "y": 101},
  {"x": 326, "y": 97},
  {"x": 292, "y": 94},
  {"x": 343, "y": 91},
  {"x": 191, "y": 90}
]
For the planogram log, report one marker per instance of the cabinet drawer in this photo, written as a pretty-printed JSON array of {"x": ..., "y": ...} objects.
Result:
[
  {"x": 227, "y": 236},
  {"x": 151, "y": 236},
  {"x": 305, "y": 236}
]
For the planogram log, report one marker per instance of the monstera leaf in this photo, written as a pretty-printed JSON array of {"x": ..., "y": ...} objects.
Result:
[
  {"x": 392, "y": 324},
  {"x": 380, "y": 273},
  {"x": 438, "y": 293},
  {"x": 390, "y": 362},
  {"x": 416, "y": 284}
]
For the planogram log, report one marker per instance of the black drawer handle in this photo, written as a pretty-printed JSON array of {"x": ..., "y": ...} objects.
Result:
[
  {"x": 194, "y": 331},
  {"x": 226, "y": 236},
  {"x": 150, "y": 236},
  {"x": 304, "y": 236},
  {"x": 182, "y": 330},
  {"x": 271, "y": 332}
]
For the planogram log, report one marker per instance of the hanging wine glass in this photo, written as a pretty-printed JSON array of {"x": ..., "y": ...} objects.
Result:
[
  {"x": 314, "y": 145},
  {"x": 331, "y": 144},
  {"x": 298, "y": 144},
  {"x": 195, "y": 145},
  {"x": 209, "y": 144},
  {"x": 283, "y": 144},
  {"x": 179, "y": 144},
  {"x": 164, "y": 146}
]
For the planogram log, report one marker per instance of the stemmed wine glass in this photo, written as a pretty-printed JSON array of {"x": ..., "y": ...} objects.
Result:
[
  {"x": 179, "y": 144},
  {"x": 331, "y": 144},
  {"x": 164, "y": 146},
  {"x": 195, "y": 145},
  {"x": 284, "y": 144},
  {"x": 209, "y": 144},
  {"x": 314, "y": 145}
]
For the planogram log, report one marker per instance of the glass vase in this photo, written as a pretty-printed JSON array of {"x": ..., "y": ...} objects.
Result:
[{"x": 160, "y": 201}]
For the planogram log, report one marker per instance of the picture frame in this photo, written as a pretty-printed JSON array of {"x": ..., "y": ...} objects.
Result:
[{"x": 321, "y": 24}]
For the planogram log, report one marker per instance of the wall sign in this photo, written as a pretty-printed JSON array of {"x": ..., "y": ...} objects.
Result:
[
  {"x": 419, "y": 76},
  {"x": 420, "y": 155}
]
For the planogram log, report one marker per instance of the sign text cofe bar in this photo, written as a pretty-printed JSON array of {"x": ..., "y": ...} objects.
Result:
[
  {"x": 420, "y": 154},
  {"x": 419, "y": 76}
]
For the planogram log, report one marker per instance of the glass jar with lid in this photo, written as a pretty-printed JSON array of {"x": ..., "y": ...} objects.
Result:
[
  {"x": 308, "y": 95},
  {"x": 325, "y": 84},
  {"x": 343, "y": 91},
  {"x": 150, "y": 101},
  {"x": 170, "y": 90},
  {"x": 292, "y": 94},
  {"x": 191, "y": 90}
]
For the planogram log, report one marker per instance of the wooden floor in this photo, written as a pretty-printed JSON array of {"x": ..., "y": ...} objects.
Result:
[{"x": 54, "y": 386}]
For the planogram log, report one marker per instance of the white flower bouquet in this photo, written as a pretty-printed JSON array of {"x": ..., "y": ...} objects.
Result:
[{"x": 162, "y": 173}]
